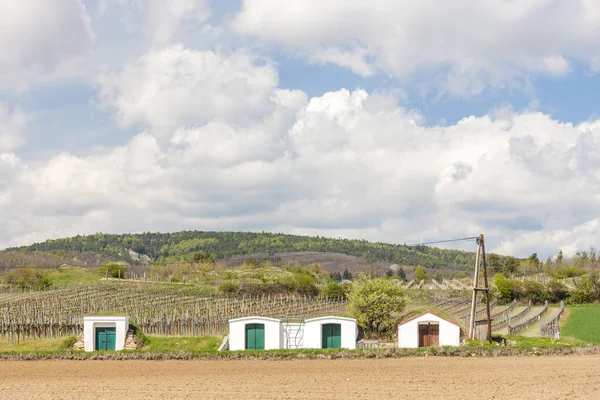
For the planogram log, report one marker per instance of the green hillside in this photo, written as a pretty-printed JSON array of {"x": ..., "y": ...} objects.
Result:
[{"x": 181, "y": 246}]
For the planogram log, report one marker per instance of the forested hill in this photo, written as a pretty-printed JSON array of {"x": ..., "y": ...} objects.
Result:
[{"x": 181, "y": 246}]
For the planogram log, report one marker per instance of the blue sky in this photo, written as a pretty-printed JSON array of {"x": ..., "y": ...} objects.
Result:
[{"x": 385, "y": 121}]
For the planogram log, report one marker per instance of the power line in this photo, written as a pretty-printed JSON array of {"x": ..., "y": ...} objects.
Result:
[{"x": 474, "y": 238}]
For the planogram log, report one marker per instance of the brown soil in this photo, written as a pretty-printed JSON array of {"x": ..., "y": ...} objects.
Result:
[{"x": 571, "y": 377}]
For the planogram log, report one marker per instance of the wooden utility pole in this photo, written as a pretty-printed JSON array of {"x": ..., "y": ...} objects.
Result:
[{"x": 480, "y": 259}]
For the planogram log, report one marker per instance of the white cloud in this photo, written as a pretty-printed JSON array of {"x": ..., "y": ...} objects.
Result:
[
  {"x": 165, "y": 16},
  {"x": 174, "y": 86},
  {"x": 159, "y": 20},
  {"x": 343, "y": 164},
  {"x": 471, "y": 44},
  {"x": 40, "y": 37},
  {"x": 354, "y": 60},
  {"x": 11, "y": 127}
]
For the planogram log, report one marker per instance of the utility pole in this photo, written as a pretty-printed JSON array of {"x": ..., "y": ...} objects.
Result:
[{"x": 480, "y": 259}]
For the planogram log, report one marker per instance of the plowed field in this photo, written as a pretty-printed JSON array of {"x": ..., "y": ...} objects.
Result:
[{"x": 570, "y": 377}]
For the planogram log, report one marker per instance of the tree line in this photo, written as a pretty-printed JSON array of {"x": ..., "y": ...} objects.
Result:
[{"x": 183, "y": 246}]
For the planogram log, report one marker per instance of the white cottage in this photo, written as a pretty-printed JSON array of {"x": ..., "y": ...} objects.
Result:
[
  {"x": 261, "y": 333},
  {"x": 255, "y": 333},
  {"x": 330, "y": 333},
  {"x": 428, "y": 329},
  {"x": 103, "y": 332}
]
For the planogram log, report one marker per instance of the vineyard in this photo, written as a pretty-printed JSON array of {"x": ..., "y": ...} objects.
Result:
[{"x": 156, "y": 309}]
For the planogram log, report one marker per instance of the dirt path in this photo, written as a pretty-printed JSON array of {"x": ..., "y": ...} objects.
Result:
[{"x": 570, "y": 377}]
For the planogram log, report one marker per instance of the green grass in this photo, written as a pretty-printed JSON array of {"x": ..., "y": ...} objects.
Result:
[
  {"x": 583, "y": 323},
  {"x": 161, "y": 344},
  {"x": 54, "y": 344},
  {"x": 67, "y": 276}
]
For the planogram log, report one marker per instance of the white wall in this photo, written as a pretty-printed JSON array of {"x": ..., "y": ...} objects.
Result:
[
  {"x": 91, "y": 322},
  {"x": 294, "y": 337},
  {"x": 237, "y": 332},
  {"x": 408, "y": 333},
  {"x": 313, "y": 332}
]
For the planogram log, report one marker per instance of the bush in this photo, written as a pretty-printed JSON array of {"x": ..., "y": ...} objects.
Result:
[
  {"x": 335, "y": 290},
  {"x": 583, "y": 293},
  {"x": 139, "y": 335},
  {"x": 27, "y": 278},
  {"x": 68, "y": 343},
  {"x": 506, "y": 289},
  {"x": 421, "y": 274},
  {"x": 304, "y": 285},
  {"x": 229, "y": 288},
  {"x": 113, "y": 270},
  {"x": 556, "y": 292}
]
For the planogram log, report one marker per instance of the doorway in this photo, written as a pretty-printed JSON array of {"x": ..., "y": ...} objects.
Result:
[
  {"x": 106, "y": 338},
  {"x": 255, "y": 336},
  {"x": 331, "y": 336},
  {"x": 429, "y": 334}
]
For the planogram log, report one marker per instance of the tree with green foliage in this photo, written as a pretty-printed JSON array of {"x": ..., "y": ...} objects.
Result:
[
  {"x": 421, "y": 274},
  {"x": 183, "y": 246},
  {"x": 203, "y": 257},
  {"x": 336, "y": 276},
  {"x": 335, "y": 290},
  {"x": 346, "y": 275},
  {"x": 27, "y": 278},
  {"x": 377, "y": 304},
  {"x": 506, "y": 288},
  {"x": 401, "y": 274},
  {"x": 438, "y": 276},
  {"x": 510, "y": 265},
  {"x": 113, "y": 270},
  {"x": 494, "y": 263}
]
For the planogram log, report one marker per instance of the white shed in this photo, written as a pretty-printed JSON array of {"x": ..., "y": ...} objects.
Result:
[
  {"x": 428, "y": 329},
  {"x": 330, "y": 333},
  {"x": 103, "y": 332},
  {"x": 255, "y": 333}
]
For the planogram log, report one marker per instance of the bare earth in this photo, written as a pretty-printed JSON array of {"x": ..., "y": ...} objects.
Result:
[{"x": 571, "y": 377}]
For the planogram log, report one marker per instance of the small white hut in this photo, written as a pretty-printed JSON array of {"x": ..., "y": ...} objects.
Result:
[
  {"x": 103, "y": 332},
  {"x": 428, "y": 329},
  {"x": 255, "y": 333},
  {"x": 330, "y": 333}
]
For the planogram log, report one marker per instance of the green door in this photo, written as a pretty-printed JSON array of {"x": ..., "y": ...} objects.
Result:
[
  {"x": 331, "y": 336},
  {"x": 106, "y": 338},
  {"x": 255, "y": 336}
]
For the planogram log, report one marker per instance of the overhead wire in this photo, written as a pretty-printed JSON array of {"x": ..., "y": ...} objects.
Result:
[{"x": 472, "y": 238}]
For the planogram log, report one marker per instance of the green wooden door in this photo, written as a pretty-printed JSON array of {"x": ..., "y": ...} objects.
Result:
[
  {"x": 106, "y": 338},
  {"x": 331, "y": 336},
  {"x": 255, "y": 336}
]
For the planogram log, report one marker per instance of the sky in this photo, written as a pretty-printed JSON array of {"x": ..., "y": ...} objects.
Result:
[{"x": 388, "y": 120}]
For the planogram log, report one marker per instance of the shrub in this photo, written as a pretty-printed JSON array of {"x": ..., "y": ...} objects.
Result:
[
  {"x": 139, "y": 335},
  {"x": 305, "y": 285},
  {"x": 421, "y": 274},
  {"x": 68, "y": 343},
  {"x": 229, "y": 288},
  {"x": 113, "y": 270},
  {"x": 556, "y": 292},
  {"x": 506, "y": 289},
  {"x": 27, "y": 278},
  {"x": 583, "y": 293},
  {"x": 335, "y": 290}
]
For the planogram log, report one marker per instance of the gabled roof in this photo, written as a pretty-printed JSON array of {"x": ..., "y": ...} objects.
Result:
[{"x": 427, "y": 312}]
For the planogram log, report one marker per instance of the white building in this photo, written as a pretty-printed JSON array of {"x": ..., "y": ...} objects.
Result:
[
  {"x": 255, "y": 333},
  {"x": 330, "y": 333},
  {"x": 428, "y": 329},
  {"x": 102, "y": 332},
  {"x": 263, "y": 333}
]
